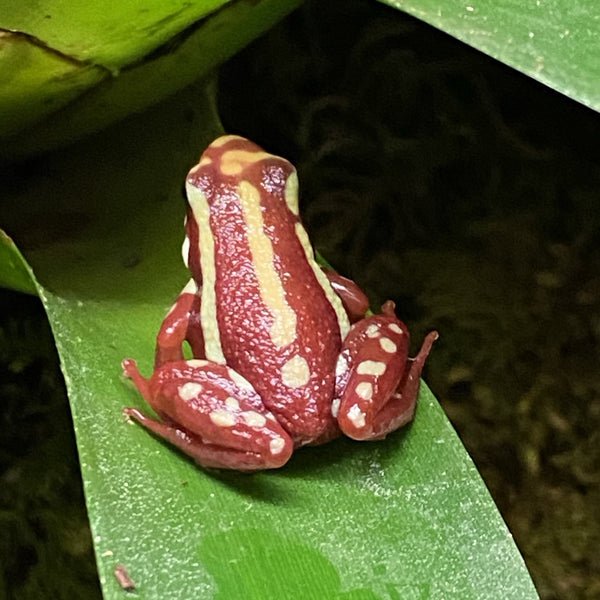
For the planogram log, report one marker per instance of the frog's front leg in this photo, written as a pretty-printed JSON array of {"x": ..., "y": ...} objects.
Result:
[
  {"x": 182, "y": 323},
  {"x": 212, "y": 414},
  {"x": 377, "y": 384},
  {"x": 354, "y": 300}
]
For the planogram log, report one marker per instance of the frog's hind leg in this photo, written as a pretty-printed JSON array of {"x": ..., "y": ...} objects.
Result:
[
  {"x": 212, "y": 414},
  {"x": 400, "y": 408},
  {"x": 377, "y": 384}
]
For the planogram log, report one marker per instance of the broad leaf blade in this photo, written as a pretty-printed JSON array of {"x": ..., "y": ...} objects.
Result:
[
  {"x": 554, "y": 41},
  {"x": 406, "y": 518},
  {"x": 36, "y": 82},
  {"x": 71, "y": 70},
  {"x": 103, "y": 32}
]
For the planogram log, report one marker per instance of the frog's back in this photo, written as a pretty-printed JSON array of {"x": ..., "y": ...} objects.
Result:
[{"x": 268, "y": 310}]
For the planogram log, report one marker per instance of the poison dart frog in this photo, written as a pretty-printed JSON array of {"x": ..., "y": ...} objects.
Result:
[{"x": 284, "y": 352}]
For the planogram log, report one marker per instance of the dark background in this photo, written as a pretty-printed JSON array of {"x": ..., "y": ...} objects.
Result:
[{"x": 434, "y": 176}]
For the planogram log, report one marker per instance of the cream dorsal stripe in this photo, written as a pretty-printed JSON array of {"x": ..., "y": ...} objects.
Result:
[
  {"x": 283, "y": 329},
  {"x": 234, "y": 163}
]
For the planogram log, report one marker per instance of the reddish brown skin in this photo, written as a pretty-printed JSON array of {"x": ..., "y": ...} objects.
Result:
[
  {"x": 303, "y": 414},
  {"x": 193, "y": 261}
]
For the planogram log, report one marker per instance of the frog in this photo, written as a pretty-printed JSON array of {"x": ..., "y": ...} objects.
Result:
[{"x": 285, "y": 353}]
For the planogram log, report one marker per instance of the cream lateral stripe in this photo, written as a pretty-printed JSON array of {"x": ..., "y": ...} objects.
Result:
[
  {"x": 208, "y": 309},
  {"x": 283, "y": 328},
  {"x": 185, "y": 251},
  {"x": 190, "y": 288},
  {"x": 333, "y": 298},
  {"x": 291, "y": 192}
]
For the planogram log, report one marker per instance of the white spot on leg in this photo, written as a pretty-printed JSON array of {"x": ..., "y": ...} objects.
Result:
[
  {"x": 371, "y": 367},
  {"x": 276, "y": 445},
  {"x": 295, "y": 372},
  {"x": 357, "y": 416},
  {"x": 388, "y": 345},
  {"x": 372, "y": 331},
  {"x": 189, "y": 390},
  {"x": 335, "y": 407},
  {"x": 239, "y": 380},
  {"x": 232, "y": 404},
  {"x": 395, "y": 328},
  {"x": 365, "y": 390},
  {"x": 254, "y": 419},
  {"x": 222, "y": 418}
]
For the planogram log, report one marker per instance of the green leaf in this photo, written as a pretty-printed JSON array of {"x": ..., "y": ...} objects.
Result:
[
  {"x": 14, "y": 271},
  {"x": 405, "y": 518},
  {"x": 553, "y": 41},
  {"x": 102, "y": 32},
  {"x": 71, "y": 68},
  {"x": 36, "y": 82}
]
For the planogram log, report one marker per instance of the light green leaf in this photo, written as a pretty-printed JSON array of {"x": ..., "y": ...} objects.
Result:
[
  {"x": 70, "y": 68},
  {"x": 553, "y": 41},
  {"x": 36, "y": 82},
  {"x": 103, "y": 32},
  {"x": 405, "y": 518}
]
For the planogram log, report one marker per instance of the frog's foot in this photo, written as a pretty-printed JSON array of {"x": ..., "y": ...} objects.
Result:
[
  {"x": 130, "y": 370},
  {"x": 212, "y": 414},
  {"x": 377, "y": 384}
]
